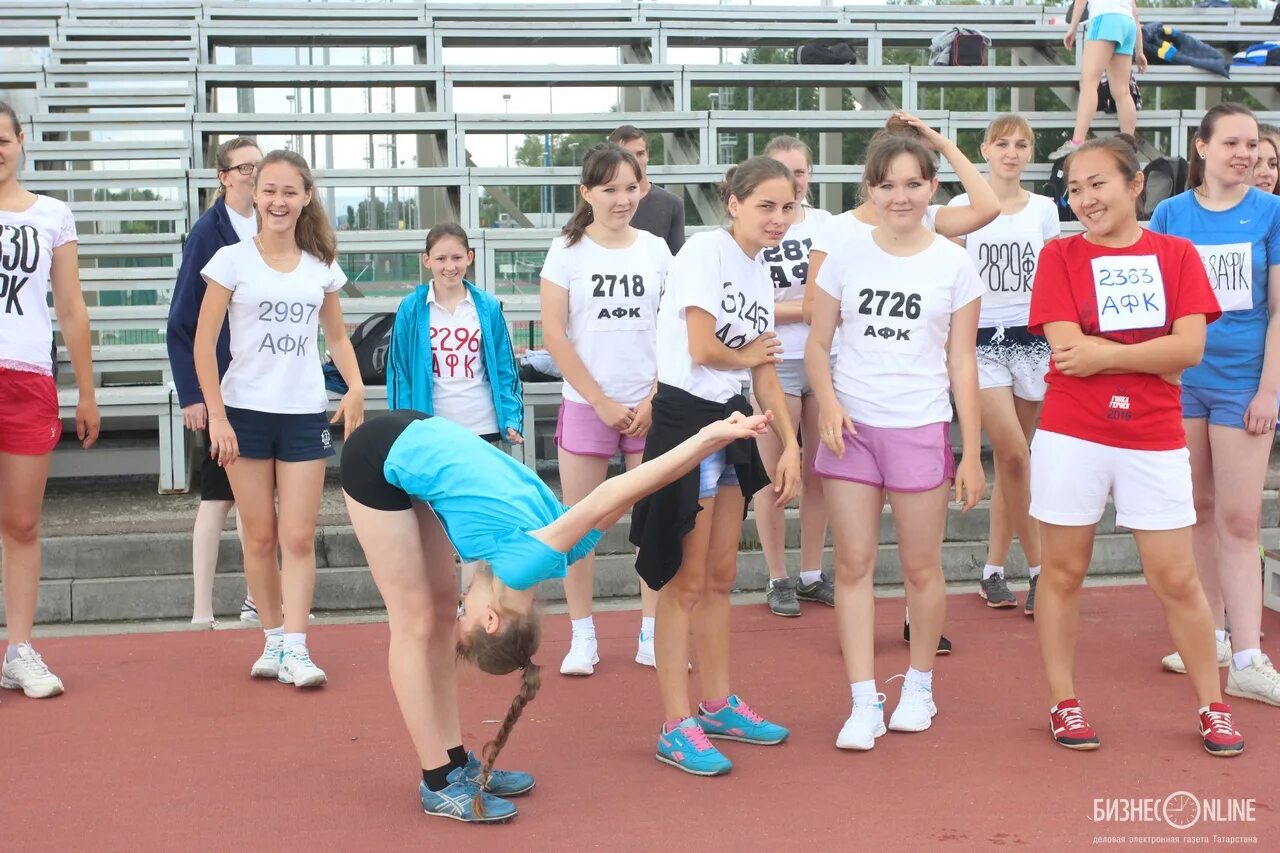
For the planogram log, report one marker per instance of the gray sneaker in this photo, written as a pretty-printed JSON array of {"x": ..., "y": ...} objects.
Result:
[
  {"x": 781, "y": 597},
  {"x": 823, "y": 591},
  {"x": 1030, "y": 607},
  {"x": 995, "y": 590}
]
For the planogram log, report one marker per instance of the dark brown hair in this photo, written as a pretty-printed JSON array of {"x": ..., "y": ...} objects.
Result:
[
  {"x": 506, "y": 651},
  {"x": 599, "y": 167},
  {"x": 1204, "y": 133},
  {"x": 627, "y": 133},
  {"x": 742, "y": 180},
  {"x": 313, "y": 233},
  {"x": 887, "y": 146},
  {"x": 447, "y": 229},
  {"x": 1123, "y": 149}
]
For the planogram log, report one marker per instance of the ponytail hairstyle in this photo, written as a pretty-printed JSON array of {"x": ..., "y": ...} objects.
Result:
[
  {"x": 506, "y": 651},
  {"x": 1204, "y": 133},
  {"x": 1123, "y": 148},
  {"x": 447, "y": 229},
  {"x": 313, "y": 233},
  {"x": 599, "y": 167},
  {"x": 1269, "y": 133},
  {"x": 6, "y": 110},
  {"x": 742, "y": 180}
]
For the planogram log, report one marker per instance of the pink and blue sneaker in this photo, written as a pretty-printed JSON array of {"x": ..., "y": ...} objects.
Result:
[
  {"x": 736, "y": 721},
  {"x": 687, "y": 748}
]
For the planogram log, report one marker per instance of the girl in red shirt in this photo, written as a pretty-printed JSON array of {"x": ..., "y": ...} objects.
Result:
[{"x": 1124, "y": 311}]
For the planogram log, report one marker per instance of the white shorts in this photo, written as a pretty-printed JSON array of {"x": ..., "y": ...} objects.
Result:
[
  {"x": 1071, "y": 478},
  {"x": 1012, "y": 357}
]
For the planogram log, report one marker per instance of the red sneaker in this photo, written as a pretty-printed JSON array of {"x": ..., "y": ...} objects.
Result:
[
  {"x": 1219, "y": 732},
  {"x": 1069, "y": 728}
]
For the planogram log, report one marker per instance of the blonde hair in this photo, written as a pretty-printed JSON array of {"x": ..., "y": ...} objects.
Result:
[{"x": 1009, "y": 124}]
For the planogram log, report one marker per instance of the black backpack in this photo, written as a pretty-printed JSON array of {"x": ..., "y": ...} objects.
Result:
[
  {"x": 1166, "y": 177},
  {"x": 1107, "y": 104},
  {"x": 825, "y": 54},
  {"x": 1056, "y": 189},
  {"x": 372, "y": 342}
]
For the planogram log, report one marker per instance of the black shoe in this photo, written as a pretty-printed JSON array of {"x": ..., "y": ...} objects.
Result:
[
  {"x": 823, "y": 591},
  {"x": 944, "y": 645},
  {"x": 781, "y": 597},
  {"x": 995, "y": 591},
  {"x": 1030, "y": 608}
]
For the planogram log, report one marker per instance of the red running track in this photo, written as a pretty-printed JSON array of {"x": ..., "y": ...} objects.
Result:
[{"x": 164, "y": 743}]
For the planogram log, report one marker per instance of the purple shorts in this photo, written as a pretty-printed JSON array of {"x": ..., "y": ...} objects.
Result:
[
  {"x": 917, "y": 459},
  {"x": 579, "y": 431}
]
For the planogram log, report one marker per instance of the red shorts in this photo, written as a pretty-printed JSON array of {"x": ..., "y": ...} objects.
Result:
[{"x": 29, "y": 423}]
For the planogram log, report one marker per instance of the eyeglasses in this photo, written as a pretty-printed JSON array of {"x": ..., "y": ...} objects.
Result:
[{"x": 245, "y": 169}]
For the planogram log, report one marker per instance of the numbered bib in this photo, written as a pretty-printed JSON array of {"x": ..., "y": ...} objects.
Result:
[
  {"x": 886, "y": 321},
  {"x": 742, "y": 318},
  {"x": 1230, "y": 270},
  {"x": 455, "y": 352},
  {"x": 1130, "y": 293},
  {"x": 788, "y": 264},
  {"x": 1007, "y": 268},
  {"x": 620, "y": 303}
]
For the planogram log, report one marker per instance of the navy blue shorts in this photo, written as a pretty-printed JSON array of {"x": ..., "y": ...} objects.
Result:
[{"x": 287, "y": 438}]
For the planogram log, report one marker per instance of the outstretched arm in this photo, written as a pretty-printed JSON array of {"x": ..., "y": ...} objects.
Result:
[{"x": 610, "y": 501}]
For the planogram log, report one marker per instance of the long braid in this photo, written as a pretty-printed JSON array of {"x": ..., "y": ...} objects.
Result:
[{"x": 529, "y": 685}]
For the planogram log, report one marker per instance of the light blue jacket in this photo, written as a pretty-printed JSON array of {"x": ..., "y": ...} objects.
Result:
[{"x": 409, "y": 378}]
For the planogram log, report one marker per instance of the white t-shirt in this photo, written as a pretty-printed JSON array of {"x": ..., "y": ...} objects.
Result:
[
  {"x": 613, "y": 306},
  {"x": 27, "y": 241},
  {"x": 275, "y": 363},
  {"x": 712, "y": 272},
  {"x": 788, "y": 267},
  {"x": 846, "y": 226},
  {"x": 460, "y": 386},
  {"x": 895, "y": 316},
  {"x": 1110, "y": 7},
  {"x": 1006, "y": 252},
  {"x": 246, "y": 227}
]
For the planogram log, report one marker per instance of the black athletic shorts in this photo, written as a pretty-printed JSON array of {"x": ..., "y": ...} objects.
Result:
[
  {"x": 364, "y": 454},
  {"x": 214, "y": 485}
]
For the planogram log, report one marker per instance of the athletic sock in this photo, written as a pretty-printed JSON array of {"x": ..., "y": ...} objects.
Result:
[
  {"x": 11, "y": 653},
  {"x": 584, "y": 627},
  {"x": 646, "y": 626},
  {"x": 811, "y": 577},
  {"x": 864, "y": 692},
  {"x": 773, "y": 581},
  {"x": 458, "y": 756},
  {"x": 1034, "y": 571},
  {"x": 437, "y": 778},
  {"x": 988, "y": 570},
  {"x": 295, "y": 641},
  {"x": 916, "y": 678},
  {"x": 1244, "y": 659},
  {"x": 671, "y": 725},
  {"x": 274, "y": 632},
  {"x": 713, "y": 705},
  {"x": 1221, "y": 635}
]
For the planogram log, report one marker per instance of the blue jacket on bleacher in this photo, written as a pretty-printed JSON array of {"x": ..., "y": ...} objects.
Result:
[
  {"x": 409, "y": 377},
  {"x": 211, "y": 232}
]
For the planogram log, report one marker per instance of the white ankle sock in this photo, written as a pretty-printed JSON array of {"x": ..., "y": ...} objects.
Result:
[
  {"x": 864, "y": 692},
  {"x": 11, "y": 653},
  {"x": 1244, "y": 659},
  {"x": 988, "y": 570},
  {"x": 811, "y": 577},
  {"x": 916, "y": 678},
  {"x": 295, "y": 641},
  {"x": 274, "y": 632},
  {"x": 1221, "y": 636},
  {"x": 646, "y": 626},
  {"x": 1034, "y": 571},
  {"x": 584, "y": 627}
]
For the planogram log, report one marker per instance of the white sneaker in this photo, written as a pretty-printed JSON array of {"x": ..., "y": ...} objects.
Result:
[
  {"x": 864, "y": 725},
  {"x": 644, "y": 651},
  {"x": 28, "y": 673},
  {"x": 268, "y": 666},
  {"x": 915, "y": 711},
  {"x": 296, "y": 668},
  {"x": 249, "y": 613},
  {"x": 1173, "y": 662},
  {"x": 582, "y": 657},
  {"x": 1259, "y": 680},
  {"x": 1063, "y": 150}
]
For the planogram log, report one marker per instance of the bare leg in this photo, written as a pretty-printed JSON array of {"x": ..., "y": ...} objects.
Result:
[
  {"x": 711, "y": 616},
  {"x": 579, "y": 475},
  {"x": 676, "y": 603},
  {"x": 1239, "y": 459},
  {"x": 205, "y": 538},
  {"x": 1119, "y": 70},
  {"x": 920, "y": 518},
  {"x": 855, "y": 516},
  {"x": 1096, "y": 56},
  {"x": 253, "y": 481},
  {"x": 1067, "y": 552},
  {"x": 301, "y": 485},
  {"x": 771, "y": 521},
  {"x": 813, "y": 501},
  {"x": 22, "y": 482},
  {"x": 1204, "y": 535}
]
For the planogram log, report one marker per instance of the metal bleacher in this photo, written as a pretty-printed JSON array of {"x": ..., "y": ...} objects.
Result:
[{"x": 124, "y": 103}]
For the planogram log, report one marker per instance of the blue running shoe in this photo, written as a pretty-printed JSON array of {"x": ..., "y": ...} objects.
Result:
[
  {"x": 457, "y": 801},
  {"x": 502, "y": 783},
  {"x": 688, "y": 749},
  {"x": 736, "y": 721}
]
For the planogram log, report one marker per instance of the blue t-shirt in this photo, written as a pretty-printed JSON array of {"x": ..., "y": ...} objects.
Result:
[
  {"x": 487, "y": 501},
  {"x": 1238, "y": 246}
]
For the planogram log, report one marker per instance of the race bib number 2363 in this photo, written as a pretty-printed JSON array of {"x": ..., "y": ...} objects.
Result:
[{"x": 1130, "y": 293}]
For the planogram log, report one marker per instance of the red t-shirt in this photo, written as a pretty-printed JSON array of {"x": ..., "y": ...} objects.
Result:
[{"x": 1139, "y": 411}]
